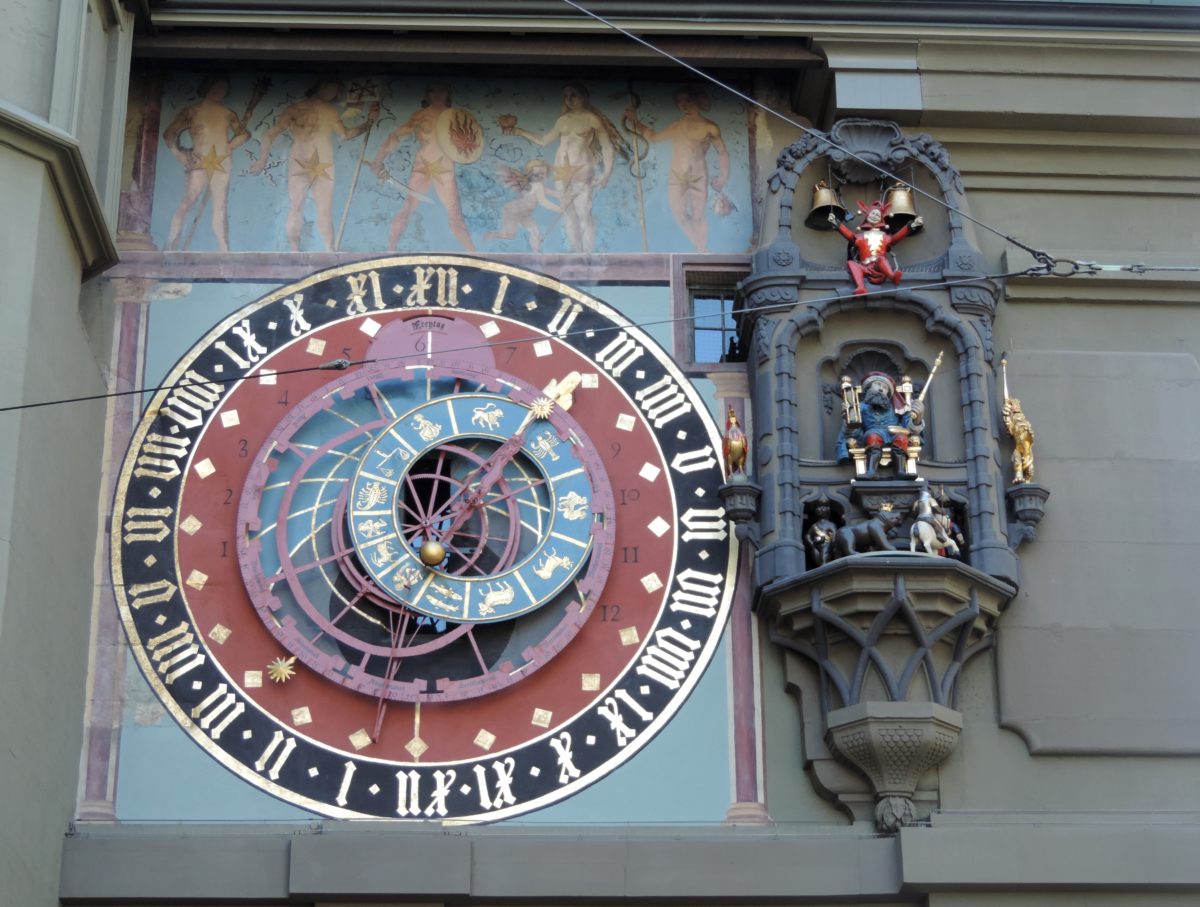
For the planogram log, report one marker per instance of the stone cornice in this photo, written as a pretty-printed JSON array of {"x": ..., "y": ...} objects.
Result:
[
  {"x": 709, "y": 15},
  {"x": 69, "y": 176}
]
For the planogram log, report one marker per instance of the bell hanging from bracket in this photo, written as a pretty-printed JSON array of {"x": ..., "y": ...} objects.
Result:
[
  {"x": 825, "y": 202},
  {"x": 901, "y": 209}
]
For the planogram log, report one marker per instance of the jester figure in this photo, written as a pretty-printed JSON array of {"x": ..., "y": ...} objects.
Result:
[{"x": 870, "y": 245}]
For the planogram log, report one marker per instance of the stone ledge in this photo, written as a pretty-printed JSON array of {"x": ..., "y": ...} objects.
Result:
[
  {"x": 1089, "y": 856},
  {"x": 81, "y": 209}
]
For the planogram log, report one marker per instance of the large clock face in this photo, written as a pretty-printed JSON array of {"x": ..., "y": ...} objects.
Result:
[{"x": 423, "y": 538}]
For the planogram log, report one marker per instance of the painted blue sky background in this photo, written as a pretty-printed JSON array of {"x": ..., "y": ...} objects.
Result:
[{"x": 258, "y": 204}]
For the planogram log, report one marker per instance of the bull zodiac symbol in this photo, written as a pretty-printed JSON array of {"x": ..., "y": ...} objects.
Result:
[
  {"x": 498, "y": 594},
  {"x": 488, "y": 416},
  {"x": 551, "y": 562}
]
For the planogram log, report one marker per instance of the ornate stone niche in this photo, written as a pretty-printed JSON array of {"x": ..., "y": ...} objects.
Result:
[{"x": 888, "y": 631}]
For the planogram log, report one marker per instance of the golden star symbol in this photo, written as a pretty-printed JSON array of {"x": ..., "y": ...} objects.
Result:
[
  {"x": 315, "y": 168},
  {"x": 433, "y": 170},
  {"x": 213, "y": 162},
  {"x": 281, "y": 670},
  {"x": 566, "y": 173},
  {"x": 688, "y": 178}
]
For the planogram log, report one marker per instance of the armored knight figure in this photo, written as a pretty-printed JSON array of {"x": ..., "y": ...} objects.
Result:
[
  {"x": 931, "y": 526},
  {"x": 870, "y": 245},
  {"x": 880, "y": 419}
]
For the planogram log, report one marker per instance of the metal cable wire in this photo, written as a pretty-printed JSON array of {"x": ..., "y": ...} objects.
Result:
[{"x": 342, "y": 364}]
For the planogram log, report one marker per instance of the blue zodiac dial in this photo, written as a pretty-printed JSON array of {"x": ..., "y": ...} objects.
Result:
[{"x": 479, "y": 507}]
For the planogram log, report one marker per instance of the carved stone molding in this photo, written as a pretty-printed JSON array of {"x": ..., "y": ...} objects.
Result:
[
  {"x": 72, "y": 183},
  {"x": 894, "y": 744},
  {"x": 889, "y": 634}
]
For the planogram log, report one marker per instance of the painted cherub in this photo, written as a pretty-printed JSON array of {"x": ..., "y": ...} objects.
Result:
[{"x": 530, "y": 185}]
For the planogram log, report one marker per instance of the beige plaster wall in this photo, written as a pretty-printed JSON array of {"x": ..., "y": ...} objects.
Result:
[
  {"x": 28, "y": 33},
  {"x": 49, "y": 486}
]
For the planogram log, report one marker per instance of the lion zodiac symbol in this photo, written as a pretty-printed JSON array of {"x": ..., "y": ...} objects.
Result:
[{"x": 488, "y": 416}]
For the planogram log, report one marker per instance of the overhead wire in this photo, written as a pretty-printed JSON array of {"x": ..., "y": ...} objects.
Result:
[
  {"x": 342, "y": 364},
  {"x": 1040, "y": 255},
  {"x": 1047, "y": 264}
]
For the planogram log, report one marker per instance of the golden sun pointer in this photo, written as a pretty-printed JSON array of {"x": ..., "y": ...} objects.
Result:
[
  {"x": 542, "y": 408},
  {"x": 281, "y": 670}
]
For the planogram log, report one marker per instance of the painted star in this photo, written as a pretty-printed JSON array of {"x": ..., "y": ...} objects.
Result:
[
  {"x": 213, "y": 162},
  {"x": 689, "y": 179},
  {"x": 434, "y": 169},
  {"x": 566, "y": 173},
  {"x": 315, "y": 168},
  {"x": 281, "y": 670}
]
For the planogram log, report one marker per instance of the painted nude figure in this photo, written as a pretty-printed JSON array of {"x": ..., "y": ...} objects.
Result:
[
  {"x": 215, "y": 132},
  {"x": 432, "y": 167},
  {"x": 691, "y": 136},
  {"x": 312, "y": 122},
  {"x": 587, "y": 143},
  {"x": 530, "y": 185}
]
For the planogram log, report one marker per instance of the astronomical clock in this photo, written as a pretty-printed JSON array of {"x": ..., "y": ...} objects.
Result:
[{"x": 424, "y": 538}]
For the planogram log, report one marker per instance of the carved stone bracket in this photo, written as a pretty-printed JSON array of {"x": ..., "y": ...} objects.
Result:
[
  {"x": 893, "y": 744},
  {"x": 740, "y": 497},
  {"x": 889, "y": 633},
  {"x": 1026, "y": 502}
]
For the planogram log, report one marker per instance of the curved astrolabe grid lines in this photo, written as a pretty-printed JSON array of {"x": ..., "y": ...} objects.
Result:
[
  {"x": 613, "y": 746},
  {"x": 317, "y": 545}
]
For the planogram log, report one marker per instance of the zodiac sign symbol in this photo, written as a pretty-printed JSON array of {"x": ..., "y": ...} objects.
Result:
[
  {"x": 446, "y": 591},
  {"x": 551, "y": 562},
  {"x": 426, "y": 429},
  {"x": 497, "y": 595},
  {"x": 372, "y": 494},
  {"x": 441, "y": 605},
  {"x": 488, "y": 416},
  {"x": 383, "y": 458},
  {"x": 383, "y": 554},
  {"x": 573, "y": 506},
  {"x": 407, "y": 578},
  {"x": 544, "y": 444},
  {"x": 371, "y": 528}
]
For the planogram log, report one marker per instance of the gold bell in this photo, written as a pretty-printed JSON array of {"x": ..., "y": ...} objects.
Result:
[
  {"x": 901, "y": 209},
  {"x": 825, "y": 201}
]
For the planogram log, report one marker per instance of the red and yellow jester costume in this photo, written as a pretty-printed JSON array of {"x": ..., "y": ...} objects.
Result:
[{"x": 871, "y": 244}]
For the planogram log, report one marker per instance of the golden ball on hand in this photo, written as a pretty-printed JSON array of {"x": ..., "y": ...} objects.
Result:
[{"x": 432, "y": 553}]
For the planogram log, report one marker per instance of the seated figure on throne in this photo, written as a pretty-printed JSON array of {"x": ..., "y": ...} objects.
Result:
[{"x": 881, "y": 422}]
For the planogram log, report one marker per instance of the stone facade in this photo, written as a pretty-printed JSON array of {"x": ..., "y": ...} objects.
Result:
[{"x": 1021, "y": 724}]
